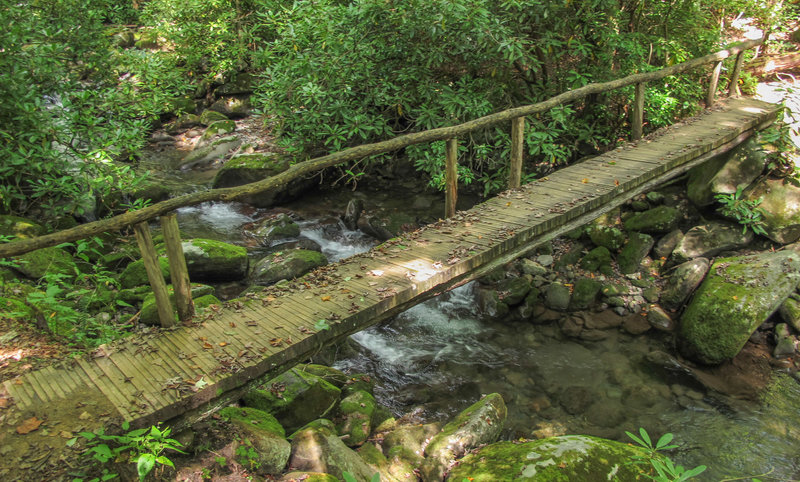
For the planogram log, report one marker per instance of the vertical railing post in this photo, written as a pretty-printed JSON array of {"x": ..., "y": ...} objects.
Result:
[
  {"x": 712, "y": 84},
  {"x": 515, "y": 164},
  {"x": 733, "y": 87},
  {"x": 165, "y": 314},
  {"x": 179, "y": 274},
  {"x": 638, "y": 112},
  {"x": 451, "y": 178}
]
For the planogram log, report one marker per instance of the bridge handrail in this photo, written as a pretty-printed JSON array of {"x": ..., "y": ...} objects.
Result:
[{"x": 127, "y": 219}]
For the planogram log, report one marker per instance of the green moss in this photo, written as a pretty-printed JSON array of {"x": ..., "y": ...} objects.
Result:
[
  {"x": 634, "y": 251},
  {"x": 584, "y": 293},
  {"x": 254, "y": 417},
  {"x": 661, "y": 219},
  {"x": 321, "y": 424},
  {"x": 15, "y": 308},
  {"x": 149, "y": 312},
  {"x": 19, "y": 227},
  {"x": 208, "y": 117},
  {"x": 358, "y": 402},
  {"x": 372, "y": 455},
  {"x": 217, "y": 128},
  {"x": 37, "y": 264},
  {"x": 608, "y": 237},
  {"x": 595, "y": 258},
  {"x": 329, "y": 374},
  {"x": 568, "y": 458},
  {"x": 135, "y": 273}
]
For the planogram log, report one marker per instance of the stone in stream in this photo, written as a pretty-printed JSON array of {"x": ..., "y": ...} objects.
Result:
[
  {"x": 295, "y": 398},
  {"x": 557, "y": 296},
  {"x": 210, "y": 260},
  {"x": 513, "y": 290},
  {"x": 355, "y": 415},
  {"x": 260, "y": 431},
  {"x": 566, "y": 458},
  {"x": 246, "y": 168},
  {"x": 216, "y": 128},
  {"x": 661, "y": 219},
  {"x": 685, "y": 278},
  {"x": 584, "y": 294},
  {"x": 608, "y": 237},
  {"x": 598, "y": 259},
  {"x": 286, "y": 265},
  {"x": 479, "y": 424},
  {"x": 319, "y": 449},
  {"x": 489, "y": 303},
  {"x": 726, "y": 173},
  {"x": 708, "y": 240},
  {"x": 272, "y": 230},
  {"x": 353, "y": 211},
  {"x": 634, "y": 251},
  {"x": 205, "y": 156},
  {"x": 659, "y": 319},
  {"x": 780, "y": 204},
  {"x": 232, "y": 106},
  {"x": 667, "y": 243},
  {"x": 737, "y": 296}
]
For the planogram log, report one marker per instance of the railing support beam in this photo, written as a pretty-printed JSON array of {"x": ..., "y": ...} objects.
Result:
[
  {"x": 733, "y": 87},
  {"x": 712, "y": 84},
  {"x": 638, "y": 112},
  {"x": 517, "y": 141},
  {"x": 165, "y": 314},
  {"x": 451, "y": 178},
  {"x": 179, "y": 274}
]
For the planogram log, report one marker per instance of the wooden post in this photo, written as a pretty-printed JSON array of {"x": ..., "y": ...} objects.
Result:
[
  {"x": 165, "y": 314},
  {"x": 515, "y": 165},
  {"x": 712, "y": 84},
  {"x": 638, "y": 112},
  {"x": 451, "y": 178},
  {"x": 733, "y": 87},
  {"x": 181, "y": 285}
]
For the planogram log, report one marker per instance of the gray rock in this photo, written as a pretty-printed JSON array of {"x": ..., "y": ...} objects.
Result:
[
  {"x": 217, "y": 128},
  {"x": 289, "y": 265},
  {"x": 242, "y": 84},
  {"x": 233, "y": 107},
  {"x": 584, "y": 294},
  {"x": 276, "y": 229},
  {"x": 659, "y": 319},
  {"x": 708, "y": 240},
  {"x": 736, "y": 297},
  {"x": 634, "y": 251},
  {"x": 532, "y": 268},
  {"x": 667, "y": 243},
  {"x": 790, "y": 312},
  {"x": 556, "y": 297},
  {"x": 209, "y": 260},
  {"x": 545, "y": 260},
  {"x": 726, "y": 173},
  {"x": 317, "y": 449},
  {"x": 684, "y": 279},
  {"x": 636, "y": 324},
  {"x": 479, "y": 424},
  {"x": 513, "y": 290},
  {"x": 781, "y": 206},
  {"x": 205, "y": 156},
  {"x": 354, "y": 209}
]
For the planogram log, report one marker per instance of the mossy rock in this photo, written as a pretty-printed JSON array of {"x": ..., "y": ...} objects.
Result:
[
  {"x": 355, "y": 413},
  {"x": 19, "y": 227},
  {"x": 295, "y": 398},
  {"x": 252, "y": 416},
  {"x": 594, "y": 259},
  {"x": 288, "y": 265},
  {"x": 567, "y": 458},
  {"x": 233, "y": 106},
  {"x": 217, "y": 128},
  {"x": 296, "y": 476},
  {"x": 135, "y": 273},
  {"x": 276, "y": 229},
  {"x": 557, "y": 296},
  {"x": 206, "y": 155},
  {"x": 569, "y": 258},
  {"x": 780, "y": 204},
  {"x": 246, "y": 168},
  {"x": 261, "y": 432},
  {"x": 210, "y": 260},
  {"x": 608, "y": 237},
  {"x": 661, "y": 219},
  {"x": 736, "y": 297},
  {"x": 329, "y": 374},
  {"x": 357, "y": 382},
  {"x": 241, "y": 84},
  {"x": 134, "y": 295},
  {"x": 36, "y": 264},
  {"x": 101, "y": 297},
  {"x": 634, "y": 251},
  {"x": 584, "y": 293},
  {"x": 320, "y": 424},
  {"x": 513, "y": 290},
  {"x": 208, "y": 117},
  {"x": 491, "y": 304},
  {"x": 149, "y": 313}
]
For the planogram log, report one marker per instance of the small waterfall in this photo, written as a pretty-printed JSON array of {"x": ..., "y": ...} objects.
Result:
[{"x": 337, "y": 242}]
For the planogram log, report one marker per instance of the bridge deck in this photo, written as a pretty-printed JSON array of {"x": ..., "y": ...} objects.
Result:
[{"x": 189, "y": 370}]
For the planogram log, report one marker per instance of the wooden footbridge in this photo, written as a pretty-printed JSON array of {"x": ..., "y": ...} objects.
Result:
[{"x": 186, "y": 372}]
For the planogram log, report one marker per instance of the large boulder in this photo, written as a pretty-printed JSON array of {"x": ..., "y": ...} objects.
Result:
[
  {"x": 207, "y": 155},
  {"x": 149, "y": 312},
  {"x": 355, "y": 415},
  {"x": 276, "y": 229},
  {"x": 708, "y": 240},
  {"x": 52, "y": 260},
  {"x": 318, "y": 449},
  {"x": 567, "y": 458},
  {"x": 260, "y": 431},
  {"x": 217, "y": 128},
  {"x": 634, "y": 251},
  {"x": 295, "y": 398},
  {"x": 781, "y": 208},
  {"x": 286, "y": 265},
  {"x": 682, "y": 282},
  {"x": 609, "y": 237},
  {"x": 737, "y": 296},
  {"x": 246, "y": 168},
  {"x": 479, "y": 424},
  {"x": 725, "y": 174},
  {"x": 659, "y": 220},
  {"x": 135, "y": 273},
  {"x": 209, "y": 260}
]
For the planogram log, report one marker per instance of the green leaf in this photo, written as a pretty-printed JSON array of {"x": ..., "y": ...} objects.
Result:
[
  {"x": 126, "y": 425},
  {"x": 72, "y": 441},
  {"x": 376, "y": 477},
  {"x": 348, "y": 477},
  {"x": 645, "y": 437},
  {"x": 165, "y": 461},
  {"x": 145, "y": 464},
  {"x": 636, "y": 439},
  {"x": 322, "y": 325},
  {"x": 664, "y": 441}
]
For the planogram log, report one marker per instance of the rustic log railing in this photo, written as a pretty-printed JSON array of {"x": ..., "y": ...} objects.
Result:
[{"x": 138, "y": 219}]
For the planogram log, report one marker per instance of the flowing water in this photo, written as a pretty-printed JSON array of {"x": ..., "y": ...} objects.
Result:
[{"x": 439, "y": 357}]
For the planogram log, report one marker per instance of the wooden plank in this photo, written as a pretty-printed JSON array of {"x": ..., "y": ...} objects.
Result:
[
  {"x": 517, "y": 149},
  {"x": 733, "y": 85},
  {"x": 179, "y": 273},
  {"x": 54, "y": 380},
  {"x": 106, "y": 388},
  {"x": 451, "y": 177},
  {"x": 41, "y": 391},
  {"x": 133, "y": 376},
  {"x": 153, "y": 268}
]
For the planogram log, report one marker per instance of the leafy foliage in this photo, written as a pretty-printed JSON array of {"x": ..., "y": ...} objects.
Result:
[
  {"x": 745, "y": 212},
  {"x": 665, "y": 469}
]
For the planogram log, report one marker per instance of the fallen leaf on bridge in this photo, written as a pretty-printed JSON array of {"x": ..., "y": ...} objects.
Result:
[
  {"x": 207, "y": 345},
  {"x": 29, "y": 425},
  {"x": 326, "y": 298}
]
